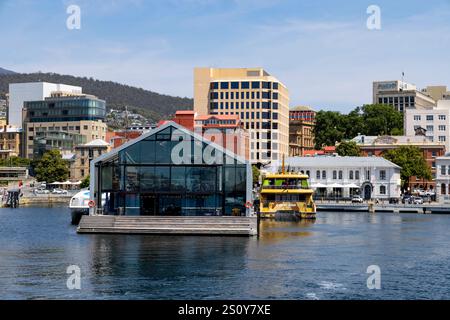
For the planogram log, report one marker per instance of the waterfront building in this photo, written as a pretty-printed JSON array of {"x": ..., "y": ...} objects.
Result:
[
  {"x": 377, "y": 145},
  {"x": 335, "y": 177},
  {"x": 434, "y": 122},
  {"x": 32, "y": 91},
  {"x": 443, "y": 178},
  {"x": 10, "y": 140},
  {"x": 260, "y": 100},
  {"x": 400, "y": 95},
  {"x": 301, "y": 126},
  {"x": 61, "y": 140},
  {"x": 84, "y": 154},
  {"x": 171, "y": 171},
  {"x": 325, "y": 151},
  {"x": 72, "y": 115}
]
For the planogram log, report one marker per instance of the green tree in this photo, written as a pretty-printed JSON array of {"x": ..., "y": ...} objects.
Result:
[
  {"x": 256, "y": 172},
  {"x": 86, "y": 182},
  {"x": 329, "y": 128},
  {"x": 348, "y": 149},
  {"x": 15, "y": 162},
  {"x": 381, "y": 119},
  {"x": 51, "y": 167},
  {"x": 412, "y": 161}
]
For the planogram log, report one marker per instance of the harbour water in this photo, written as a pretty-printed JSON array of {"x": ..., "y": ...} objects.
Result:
[{"x": 326, "y": 259}]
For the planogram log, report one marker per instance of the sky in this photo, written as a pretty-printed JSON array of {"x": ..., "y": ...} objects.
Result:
[{"x": 321, "y": 50}]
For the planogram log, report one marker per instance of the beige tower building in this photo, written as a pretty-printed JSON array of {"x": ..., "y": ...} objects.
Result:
[{"x": 259, "y": 99}]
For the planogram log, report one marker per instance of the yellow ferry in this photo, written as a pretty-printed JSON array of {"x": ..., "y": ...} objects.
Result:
[{"x": 287, "y": 194}]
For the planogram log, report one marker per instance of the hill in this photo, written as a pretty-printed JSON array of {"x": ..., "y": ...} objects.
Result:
[
  {"x": 4, "y": 71},
  {"x": 152, "y": 105}
]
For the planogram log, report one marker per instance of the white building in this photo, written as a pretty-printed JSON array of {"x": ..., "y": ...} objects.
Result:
[
  {"x": 435, "y": 121},
  {"x": 334, "y": 176},
  {"x": 32, "y": 91},
  {"x": 443, "y": 178}
]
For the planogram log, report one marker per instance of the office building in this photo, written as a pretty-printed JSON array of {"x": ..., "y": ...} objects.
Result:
[
  {"x": 301, "y": 130},
  {"x": 75, "y": 115},
  {"x": 32, "y": 91},
  {"x": 400, "y": 95},
  {"x": 437, "y": 92},
  {"x": 434, "y": 123},
  {"x": 335, "y": 177},
  {"x": 147, "y": 176},
  {"x": 260, "y": 100}
]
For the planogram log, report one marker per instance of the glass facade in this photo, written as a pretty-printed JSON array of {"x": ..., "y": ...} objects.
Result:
[
  {"x": 65, "y": 109},
  {"x": 142, "y": 179},
  {"x": 49, "y": 140}
]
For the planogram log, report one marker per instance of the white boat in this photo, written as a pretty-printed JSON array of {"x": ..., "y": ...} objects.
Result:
[{"x": 79, "y": 205}]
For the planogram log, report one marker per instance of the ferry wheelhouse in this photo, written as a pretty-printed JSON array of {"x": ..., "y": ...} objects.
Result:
[{"x": 287, "y": 194}]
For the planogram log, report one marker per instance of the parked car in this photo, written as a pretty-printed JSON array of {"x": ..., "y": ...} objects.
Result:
[
  {"x": 394, "y": 200},
  {"x": 41, "y": 191},
  {"x": 357, "y": 199},
  {"x": 417, "y": 200},
  {"x": 59, "y": 191},
  {"x": 406, "y": 198}
]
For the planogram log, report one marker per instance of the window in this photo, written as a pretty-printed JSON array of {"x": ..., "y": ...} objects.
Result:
[
  {"x": 317, "y": 174},
  {"x": 442, "y": 117},
  {"x": 382, "y": 174},
  {"x": 357, "y": 175},
  {"x": 334, "y": 174},
  {"x": 350, "y": 175},
  {"x": 235, "y": 85},
  {"x": 430, "y": 128},
  {"x": 442, "y": 138},
  {"x": 275, "y": 86},
  {"x": 430, "y": 117},
  {"x": 255, "y": 85},
  {"x": 224, "y": 85},
  {"x": 417, "y": 118},
  {"x": 340, "y": 175},
  {"x": 443, "y": 189},
  {"x": 382, "y": 189},
  {"x": 324, "y": 174},
  {"x": 441, "y": 128},
  {"x": 443, "y": 170}
]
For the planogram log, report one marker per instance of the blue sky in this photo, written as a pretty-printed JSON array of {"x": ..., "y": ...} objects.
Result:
[{"x": 321, "y": 50}]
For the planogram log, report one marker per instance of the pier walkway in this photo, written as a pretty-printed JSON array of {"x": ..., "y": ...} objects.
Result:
[
  {"x": 233, "y": 226},
  {"x": 396, "y": 208}
]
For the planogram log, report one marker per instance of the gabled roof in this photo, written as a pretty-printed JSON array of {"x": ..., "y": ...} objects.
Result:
[{"x": 168, "y": 124}]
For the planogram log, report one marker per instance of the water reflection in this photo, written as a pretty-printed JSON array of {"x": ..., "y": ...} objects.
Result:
[{"x": 273, "y": 231}]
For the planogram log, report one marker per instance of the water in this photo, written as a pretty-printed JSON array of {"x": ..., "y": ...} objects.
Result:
[{"x": 322, "y": 260}]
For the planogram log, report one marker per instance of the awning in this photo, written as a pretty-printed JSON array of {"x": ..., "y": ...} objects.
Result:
[
  {"x": 335, "y": 185},
  {"x": 352, "y": 186},
  {"x": 318, "y": 185}
]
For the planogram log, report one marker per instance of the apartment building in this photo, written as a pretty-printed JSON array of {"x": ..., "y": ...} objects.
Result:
[
  {"x": 81, "y": 115},
  {"x": 301, "y": 130},
  {"x": 10, "y": 140},
  {"x": 84, "y": 154},
  {"x": 400, "y": 95},
  {"x": 260, "y": 100},
  {"x": 434, "y": 123}
]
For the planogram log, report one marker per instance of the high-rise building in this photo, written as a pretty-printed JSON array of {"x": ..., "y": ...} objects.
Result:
[
  {"x": 260, "y": 100},
  {"x": 400, "y": 95},
  {"x": 32, "y": 91},
  {"x": 73, "y": 115},
  {"x": 301, "y": 126}
]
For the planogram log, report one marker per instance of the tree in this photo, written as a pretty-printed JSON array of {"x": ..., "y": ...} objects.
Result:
[
  {"x": 15, "y": 162},
  {"x": 86, "y": 182},
  {"x": 412, "y": 161},
  {"x": 329, "y": 128},
  {"x": 381, "y": 119},
  {"x": 348, "y": 149},
  {"x": 256, "y": 172},
  {"x": 51, "y": 167}
]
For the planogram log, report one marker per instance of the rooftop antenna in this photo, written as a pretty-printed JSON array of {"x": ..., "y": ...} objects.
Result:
[{"x": 403, "y": 85}]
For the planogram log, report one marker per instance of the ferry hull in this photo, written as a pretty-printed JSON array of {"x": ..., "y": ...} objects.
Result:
[{"x": 77, "y": 214}]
